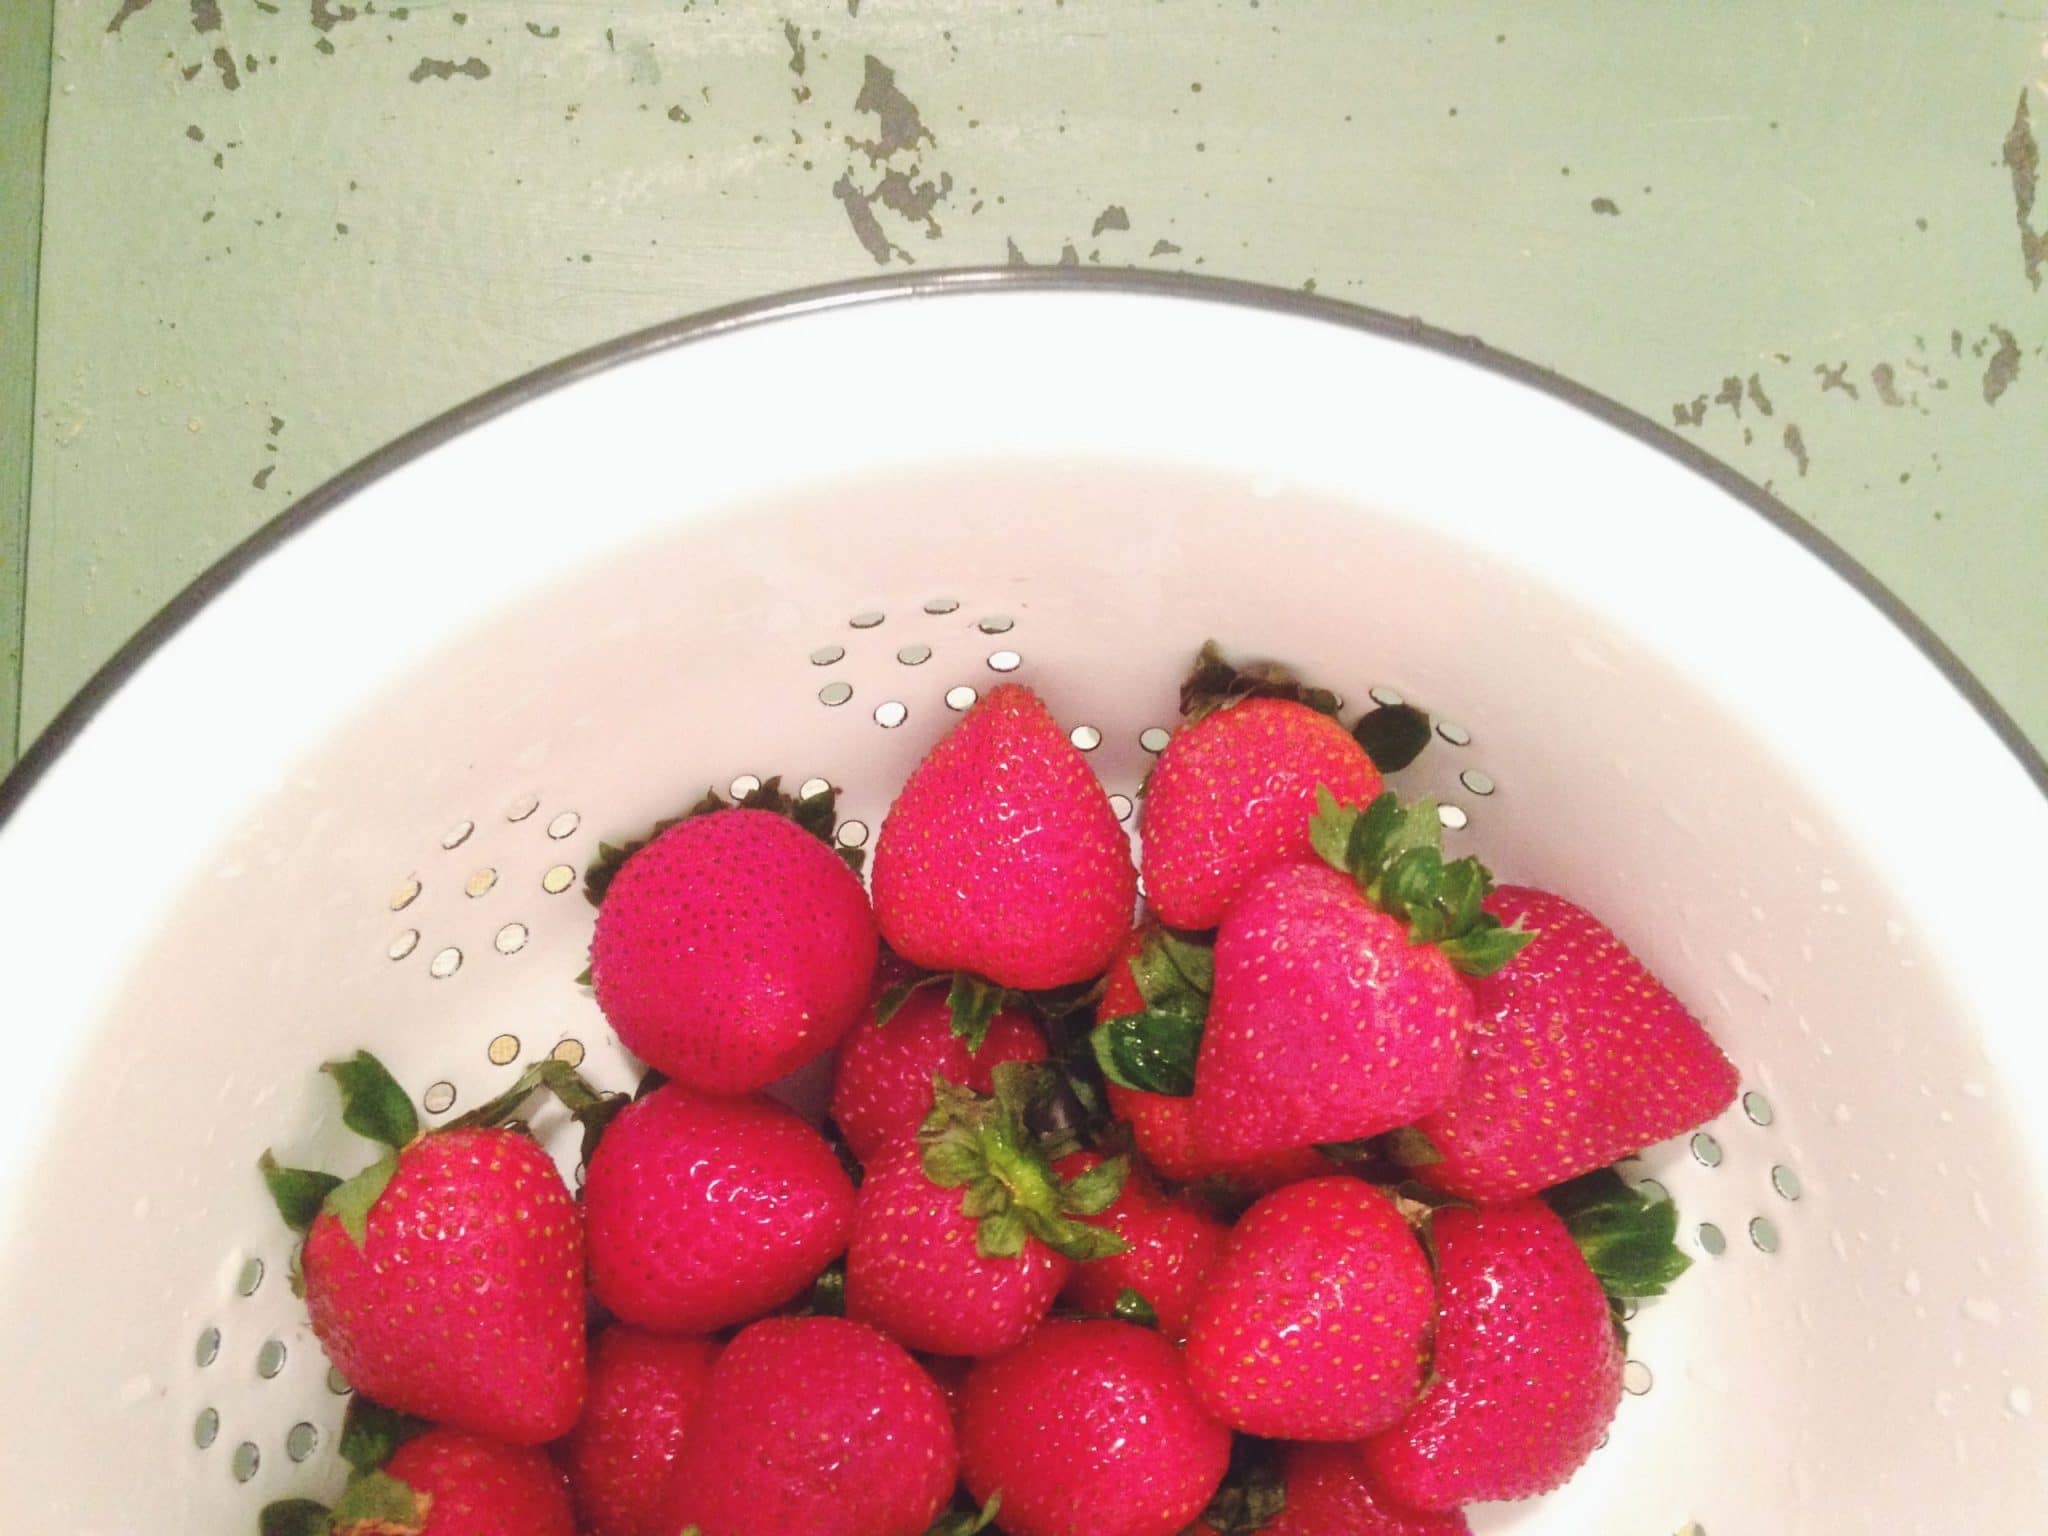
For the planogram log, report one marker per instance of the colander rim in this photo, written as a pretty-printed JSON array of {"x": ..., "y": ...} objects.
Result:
[{"x": 49, "y": 747}]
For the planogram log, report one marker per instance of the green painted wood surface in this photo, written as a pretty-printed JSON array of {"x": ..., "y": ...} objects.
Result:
[
  {"x": 24, "y": 99},
  {"x": 279, "y": 232}
]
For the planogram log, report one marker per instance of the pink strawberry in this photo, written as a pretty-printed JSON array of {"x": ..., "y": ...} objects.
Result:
[
  {"x": 643, "y": 1389},
  {"x": 1232, "y": 795},
  {"x": 466, "y": 1485},
  {"x": 814, "y": 1425},
  {"x": 704, "y": 1212},
  {"x": 1091, "y": 1428},
  {"x": 444, "y": 1280},
  {"x": 1527, "y": 1371},
  {"x": 963, "y": 1236},
  {"x": 1338, "y": 1010},
  {"x": 882, "y": 1075},
  {"x": 1580, "y": 1056},
  {"x": 1329, "y": 1494},
  {"x": 1002, "y": 857},
  {"x": 1170, "y": 1245},
  {"x": 732, "y": 949},
  {"x": 1314, "y": 1324},
  {"x": 1162, "y": 1124}
]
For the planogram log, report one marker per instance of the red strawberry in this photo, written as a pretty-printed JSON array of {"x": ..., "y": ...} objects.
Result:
[
  {"x": 643, "y": 1389},
  {"x": 446, "y": 1279},
  {"x": 1002, "y": 857},
  {"x": 1315, "y": 1320},
  {"x": 964, "y": 1236},
  {"x": 1090, "y": 1428},
  {"x": 1170, "y": 1245},
  {"x": 1329, "y": 1494},
  {"x": 465, "y": 1485},
  {"x": 1338, "y": 1010},
  {"x": 1580, "y": 1056},
  {"x": 814, "y": 1425},
  {"x": 1163, "y": 1124},
  {"x": 1527, "y": 1368},
  {"x": 704, "y": 1212},
  {"x": 882, "y": 1076},
  {"x": 1232, "y": 795},
  {"x": 732, "y": 949}
]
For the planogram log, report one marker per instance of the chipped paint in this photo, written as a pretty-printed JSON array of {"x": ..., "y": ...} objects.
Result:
[
  {"x": 1757, "y": 397},
  {"x": 128, "y": 8},
  {"x": 1607, "y": 205},
  {"x": 328, "y": 14},
  {"x": 1164, "y": 248},
  {"x": 1795, "y": 444},
  {"x": 224, "y": 61},
  {"x": 902, "y": 126},
  {"x": 205, "y": 16},
  {"x": 1112, "y": 217},
  {"x": 447, "y": 69},
  {"x": 860, "y": 213},
  {"x": 2004, "y": 366},
  {"x": 2022, "y": 156},
  {"x": 1836, "y": 377}
]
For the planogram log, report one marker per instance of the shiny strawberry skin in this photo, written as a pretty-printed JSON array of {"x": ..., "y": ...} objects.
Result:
[
  {"x": 1527, "y": 1368},
  {"x": 1232, "y": 795},
  {"x": 704, "y": 1212},
  {"x": 1172, "y": 1245},
  {"x": 1090, "y": 1429},
  {"x": 1329, "y": 1494},
  {"x": 1327, "y": 1024},
  {"x": 912, "y": 1269},
  {"x": 882, "y": 1074},
  {"x": 815, "y": 1425},
  {"x": 1315, "y": 1320},
  {"x": 465, "y": 1303},
  {"x": 732, "y": 949},
  {"x": 1580, "y": 1056},
  {"x": 473, "y": 1486},
  {"x": 643, "y": 1389},
  {"x": 1002, "y": 856}
]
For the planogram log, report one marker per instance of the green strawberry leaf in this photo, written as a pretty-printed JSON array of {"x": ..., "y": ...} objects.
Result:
[
  {"x": 1131, "y": 1307},
  {"x": 372, "y": 1103},
  {"x": 1629, "y": 1239},
  {"x": 370, "y": 1432},
  {"x": 973, "y": 1004},
  {"x": 1093, "y": 1192},
  {"x": 1409, "y": 1147},
  {"x": 1174, "y": 972},
  {"x": 298, "y": 1192},
  {"x": 893, "y": 999},
  {"x": 350, "y": 1201},
  {"x": 828, "y": 1291},
  {"x": 293, "y": 1517},
  {"x": 1393, "y": 735},
  {"x": 1152, "y": 1052},
  {"x": 1002, "y": 1236},
  {"x": 382, "y": 1503},
  {"x": 816, "y": 814},
  {"x": 1214, "y": 683},
  {"x": 1253, "y": 1492},
  {"x": 1486, "y": 947},
  {"x": 967, "y": 1522}
]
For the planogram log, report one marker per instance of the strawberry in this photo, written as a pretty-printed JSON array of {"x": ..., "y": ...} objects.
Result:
[
  {"x": 1315, "y": 1320},
  {"x": 1232, "y": 795},
  {"x": 1339, "y": 1011},
  {"x": 1580, "y": 1056},
  {"x": 445, "y": 1280},
  {"x": 731, "y": 949},
  {"x": 882, "y": 1075},
  {"x": 964, "y": 1235},
  {"x": 1002, "y": 857},
  {"x": 465, "y": 1485},
  {"x": 814, "y": 1425},
  {"x": 643, "y": 1389},
  {"x": 704, "y": 1211},
  {"x": 1527, "y": 1368},
  {"x": 1330, "y": 1494},
  {"x": 1160, "y": 981},
  {"x": 1090, "y": 1427},
  {"x": 1170, "y": 1245}
]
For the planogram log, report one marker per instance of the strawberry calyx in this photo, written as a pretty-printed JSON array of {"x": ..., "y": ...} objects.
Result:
[
  {"x": 373, "y": 1503},
  {"x": 376, "y": 1107},
  {"x": 1154, "y": 1050},
  {"x": 817, "y": 814},
  {"x": 972, "y": 1002},
  {"x": 983, "y": 1146},
  {"x": 968, "y": 1522},
  {"x": 1395, "y": 853},
  {"x": 1629, "y": 1237},
  {"x": 1252, "y": 1493},
  {"x": 1216, "y": 682}
]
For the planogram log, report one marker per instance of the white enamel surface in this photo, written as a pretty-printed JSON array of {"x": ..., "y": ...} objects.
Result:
[{"x": 608, "y": 597}]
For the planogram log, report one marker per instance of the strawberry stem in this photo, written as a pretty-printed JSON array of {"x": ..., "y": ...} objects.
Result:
[{"x": 1215, "y": 682}]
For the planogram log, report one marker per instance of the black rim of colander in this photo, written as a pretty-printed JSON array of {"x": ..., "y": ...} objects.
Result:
[{"x": 50, "y": 746}]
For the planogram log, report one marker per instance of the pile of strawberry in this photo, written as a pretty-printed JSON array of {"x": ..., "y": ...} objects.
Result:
[{"x": 1287, "y": 1209}]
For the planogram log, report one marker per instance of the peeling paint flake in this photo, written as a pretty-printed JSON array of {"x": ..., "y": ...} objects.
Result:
[
  {"x": 128, "y": 8},
  {"x": 448, "y": 69},
  {"x": 1836, "y": 377},
  {"x": 1795, "y": 444},
  {"x": 902, "y": 126},
  {"x": 1730, "y": 394},
  {"x": 230, "y": 77},
  {"x": 262, "y": 476},
  {"x": 326, "y": 15},
  {"x": 546, "y": 34},
  {"x": 205, "y": 16},
  {"x": 2022, "y": 157},
  {"x": 795, "y": 39},
  {"x": 860, "y": 213},
  {"x": 1689, "y": 413},
  {"x": 1165, "y": 248},
  {"x": 1607, "y": 205},
  {"x": 2004, "y": 366},
  {"x": 1112, "y": 217},
  {"x": 1884, "y": 379},
  {"x": 1757, "y": 397}
]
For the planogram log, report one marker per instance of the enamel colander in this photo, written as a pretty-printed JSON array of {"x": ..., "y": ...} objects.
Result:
[{"x": 342, "y": 793}]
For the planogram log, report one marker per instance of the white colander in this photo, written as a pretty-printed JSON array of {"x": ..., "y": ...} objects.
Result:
[{"x": 342, "y": 795}]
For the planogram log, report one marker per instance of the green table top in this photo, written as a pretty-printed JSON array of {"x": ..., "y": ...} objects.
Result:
[{"x": 276, "y": 233}]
